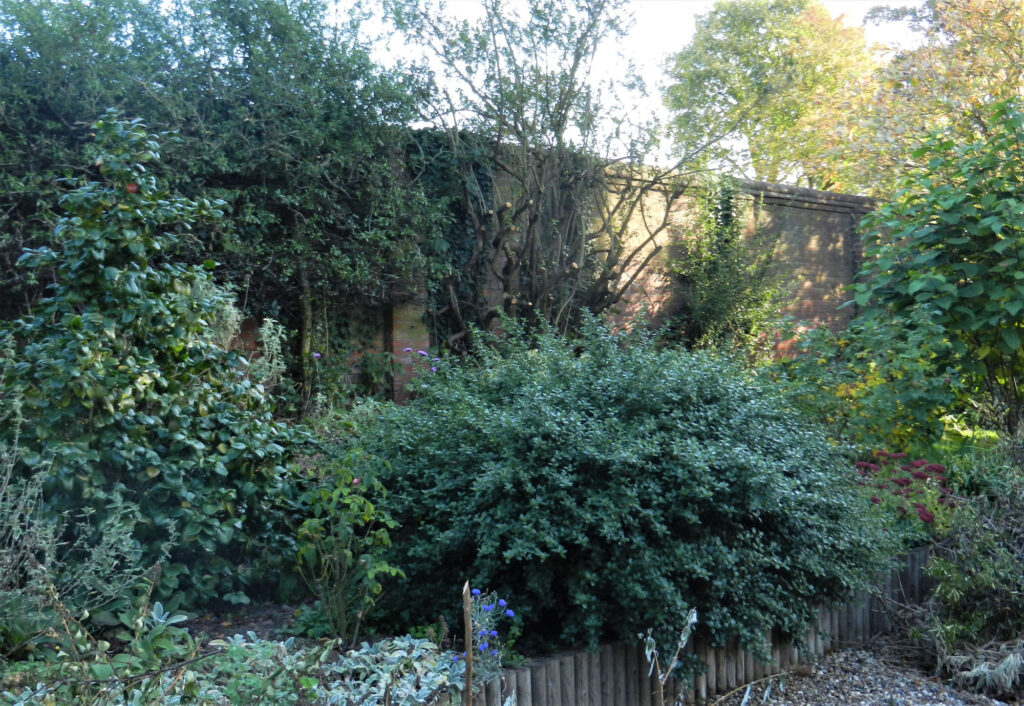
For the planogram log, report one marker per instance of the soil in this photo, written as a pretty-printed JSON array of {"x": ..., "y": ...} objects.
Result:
[{"x": 268, "y": 620}]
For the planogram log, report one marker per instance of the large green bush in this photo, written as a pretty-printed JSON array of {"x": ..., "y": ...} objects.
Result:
[
  {"x": 605, "y": 486},
  {"x": 126, "y": 396},
  {"x": 952, "y": 241}
]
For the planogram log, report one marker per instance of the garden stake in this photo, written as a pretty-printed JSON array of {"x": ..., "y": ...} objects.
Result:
[{"x": 467, "y": 620}]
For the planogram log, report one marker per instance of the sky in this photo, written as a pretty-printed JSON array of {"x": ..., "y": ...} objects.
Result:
[{"x": 663, "y": 27}]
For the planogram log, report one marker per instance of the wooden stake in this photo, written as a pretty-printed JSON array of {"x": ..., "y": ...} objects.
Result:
[{"x": 467, "y": 621}]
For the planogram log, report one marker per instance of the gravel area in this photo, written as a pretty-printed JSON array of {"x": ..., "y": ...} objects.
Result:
[{"x": 853, "y": 677}]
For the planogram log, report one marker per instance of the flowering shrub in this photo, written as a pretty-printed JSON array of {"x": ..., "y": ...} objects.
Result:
[
  {"x": 607, "y": 485},
  {"x": 488, "y": 611},
  {"x": 914, "y": 493}
]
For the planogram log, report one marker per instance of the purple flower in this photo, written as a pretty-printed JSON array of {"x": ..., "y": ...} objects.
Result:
[
  {"x": 423, "y": 353},
  {"x": 509, "y": 613},
  {"x": 316, "y": 355},
  {"x": 407, "y": 350},
  {"x": 433, "y": 369},
  {"x": 436, "y": 360}
]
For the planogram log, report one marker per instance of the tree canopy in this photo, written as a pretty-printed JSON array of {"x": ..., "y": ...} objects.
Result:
[
  {"x": 548, "y": 159},
  {"x": 744, "y": 90},
  {"x": 973, "y": 55}
]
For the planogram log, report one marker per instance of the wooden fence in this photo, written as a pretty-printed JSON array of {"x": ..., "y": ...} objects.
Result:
[{"x": 617, "y": 675}]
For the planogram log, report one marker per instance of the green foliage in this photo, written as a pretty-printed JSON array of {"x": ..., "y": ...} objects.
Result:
[
  {"x": 342, "y": 542},
  {"x": 403, "y": 671},
  {"x": 879, "y": 384},
  {"x": 280, "y": 114},
  {"x": 952, "y": 240},
  {"x": 43, "y": 576},
  {"x": 727, "y": 281},
  {"x": 745, "y": 87},
  {"x": 605, "y": 485},
  {"x": 977, "y": 605},
  {"x": 125, "y": 394}
]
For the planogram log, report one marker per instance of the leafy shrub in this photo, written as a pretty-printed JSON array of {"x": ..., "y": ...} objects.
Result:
[
  {"x": 729, "y": 286},
  {"x": 342, "y": 541},
  {"x": 606, "y": 485},
  {"x": 977, "y": 606},
  {"x": 126, "y": 394},
  {"x": 41, "y": 574},
  {"x": 880, "y": 384},
  {"x": 952, "y": 239}
]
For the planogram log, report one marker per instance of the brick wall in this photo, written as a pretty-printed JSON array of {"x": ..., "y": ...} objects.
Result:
[{"x": 817, "y": 245}]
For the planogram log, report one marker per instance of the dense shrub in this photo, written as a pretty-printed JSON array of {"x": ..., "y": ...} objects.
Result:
[
  {"x": 126, "y": 395},
  {"x": 878, "y": 384},
  {"x": 606, "y": 486},
  {"x": 952, "y": 240},
  {"x": 977, "y": 607}
]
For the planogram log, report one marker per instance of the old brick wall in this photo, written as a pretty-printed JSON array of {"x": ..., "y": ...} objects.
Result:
[{"x": 817, "y": 246}]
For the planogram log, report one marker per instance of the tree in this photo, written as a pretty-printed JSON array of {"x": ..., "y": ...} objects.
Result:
[
  {"x": 559, "y": 211},
  {"x": 745, "y": 86},
  {"x": 973, "y": 54},
  {"x": 952, "y": 242}
]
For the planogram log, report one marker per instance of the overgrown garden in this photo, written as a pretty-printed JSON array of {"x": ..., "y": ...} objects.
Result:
[{"x": 179, "y": 167}]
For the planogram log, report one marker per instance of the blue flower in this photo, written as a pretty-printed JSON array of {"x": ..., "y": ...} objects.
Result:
[
  {"x": 483, "y": 646},
  {"x": 502, "y": 603},
  {"x": 494, "y": 652},
  {"x": 494, "y": 633},
  {"x": 455, "y": 658},
  {"x": 482, "y": 633},
  {"x": 509, "y": 613},
  {"x": 487, "y": 608},
  {"x": 476, "y": 592}
]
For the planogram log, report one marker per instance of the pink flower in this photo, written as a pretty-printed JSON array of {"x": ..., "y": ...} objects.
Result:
[
  {"x": 920, "y": 475},
  {"x": 902, "y": 482},
  {"x": 918, "y": 463},
  {"x": 355, "y": 481},
  {"x": 935, "y": 467}
]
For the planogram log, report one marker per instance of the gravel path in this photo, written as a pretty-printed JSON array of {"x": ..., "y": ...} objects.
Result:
[{"x": 856, "y": 678}]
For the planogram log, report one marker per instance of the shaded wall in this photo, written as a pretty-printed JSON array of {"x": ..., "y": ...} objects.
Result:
[{"x": 817, "y": 247}]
